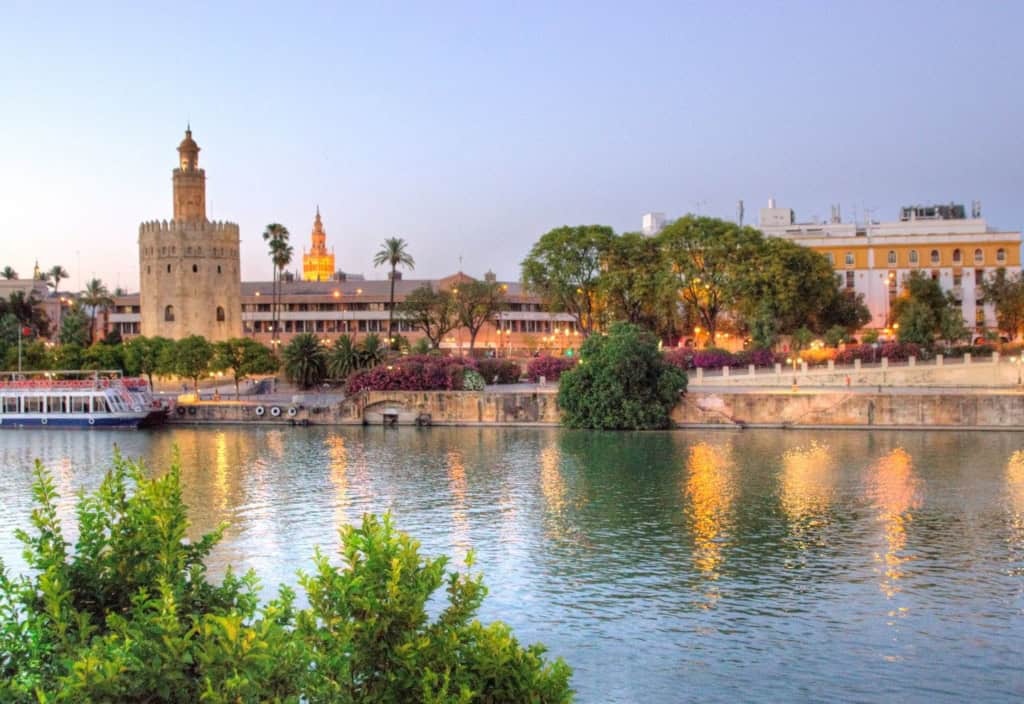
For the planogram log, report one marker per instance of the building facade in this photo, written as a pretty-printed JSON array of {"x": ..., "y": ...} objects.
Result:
[
  {"x": 875, "y": 258},
  {"x": 318, "y": 263},
  {"x": 189, "y": 281}
]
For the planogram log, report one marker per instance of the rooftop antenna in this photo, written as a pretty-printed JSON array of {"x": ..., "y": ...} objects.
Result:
[{"x": 739, "y": 213}]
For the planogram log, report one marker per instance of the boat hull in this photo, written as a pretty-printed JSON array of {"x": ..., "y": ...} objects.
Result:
[{"x": 28, "y": 420}]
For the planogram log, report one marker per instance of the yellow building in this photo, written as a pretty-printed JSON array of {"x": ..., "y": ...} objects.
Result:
[
  {"x": 318, "y": 263},
  {"x": 875, "y": 258}
]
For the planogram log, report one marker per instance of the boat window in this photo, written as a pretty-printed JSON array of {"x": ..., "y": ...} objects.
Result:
[
  {"x": 99, "y": 405},
  {"x": 79, "y": 404},
  {"x": 10, "y": 404},
  {"x": 33, "y": 404},
  {"x": 56, "y": 404}
]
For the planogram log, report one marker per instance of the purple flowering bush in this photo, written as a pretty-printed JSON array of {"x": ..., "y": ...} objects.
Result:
[
  {"x": 550, "y": 368},
  {"x": 413, "y": 373}
]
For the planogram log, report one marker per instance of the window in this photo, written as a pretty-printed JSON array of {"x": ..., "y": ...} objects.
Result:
[
  {"x": 218, "y": 268},
  {"x": 220, "y": 314},
  {"x": 892, "y": 258},
  {"x": 831, "y": 259},
  {"x": 849, "y": 279},
  {"x": 169, "y": 314},
  {"x": 979, "y": 256},
  {"x": 956, "y": 256},
  {"x": 195, "y": 268},
  {"x": 148, "y": 269},
  {"x": 168, "y": 268},
  {"x": 1001, "y": 255},
  {"x": 893, "y": 285},
  {"x": 849, "y": 259},
  {"x": 913, "y": 257},
  {"x": 935, "y": 256},
  {"x": 935, "y": 274},
  {"x": 958, "y": 278}
]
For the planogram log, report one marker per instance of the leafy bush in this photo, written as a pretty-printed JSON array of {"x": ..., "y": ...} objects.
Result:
[
  {"x": 713, "y": 358},
  {"x": 551, "y": 368},
  {"x": 894, "y": 351},
  {"x": 973, "y": 350},
  {"x": 499, "y": 371},
  {"x": 622, "y": 382},
  {"x": 472, "y": 380},
  {"x": 129, "y": 616},
  {"x": 413, "y": 373}
]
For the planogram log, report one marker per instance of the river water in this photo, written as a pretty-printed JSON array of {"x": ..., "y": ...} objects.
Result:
[{"x": 664, "y": 567}]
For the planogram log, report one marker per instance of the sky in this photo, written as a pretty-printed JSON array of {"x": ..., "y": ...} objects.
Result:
[{"x": 470, "y": 129}]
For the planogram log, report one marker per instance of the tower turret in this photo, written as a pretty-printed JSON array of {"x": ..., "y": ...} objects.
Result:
[
  {"x": 189, "y": 182},
  {"x": 318, "y": 263}
]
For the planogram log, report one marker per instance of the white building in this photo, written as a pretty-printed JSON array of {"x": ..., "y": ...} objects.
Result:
[{"x": 652, "y": 224}]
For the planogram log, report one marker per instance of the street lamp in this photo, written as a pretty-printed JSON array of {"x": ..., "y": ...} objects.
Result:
[
  {"x": 794, "y": 361},
  {"x": 1017, "y": 361}
]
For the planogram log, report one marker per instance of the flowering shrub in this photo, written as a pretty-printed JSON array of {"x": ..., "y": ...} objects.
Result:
[
  {"x": 472, "y": 380},
  {"x": 499, "y": 371},
  {"x": 894, "y": 351},
  {"x": 413, "y": 373},
  {"x": 713, "y": 358},
  {"x": 978, "y": 351},
  {"x": 550, "y": 368}
]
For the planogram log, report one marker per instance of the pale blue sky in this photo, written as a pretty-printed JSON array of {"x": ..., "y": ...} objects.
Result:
[{"x": 472, "y": 128}]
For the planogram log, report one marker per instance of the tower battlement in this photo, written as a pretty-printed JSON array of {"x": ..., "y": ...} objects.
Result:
[{"x": 163, "y": 226}]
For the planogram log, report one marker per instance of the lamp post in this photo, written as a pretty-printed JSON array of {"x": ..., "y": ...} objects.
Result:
[
  {"x": 794, "y": 361},
  {"x": 1017, "y": 361},
  {"x": 22, "y": 332}
]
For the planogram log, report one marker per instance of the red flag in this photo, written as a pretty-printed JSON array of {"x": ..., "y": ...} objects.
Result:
[{"x": 26, "y": 331}]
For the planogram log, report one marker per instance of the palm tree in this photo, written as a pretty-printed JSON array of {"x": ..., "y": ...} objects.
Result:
[
  {"x": 305, "y": 360},
  {"x": 274, "y": 235},
  {"x": 9, "y": 273},
  {"x": 393, "y": 252},
  {"x": 283, "y": 253},
  {"x": 54, "y": 276},
  {"x": 97, "y": 297},
  {"x": 372, "y": 352},
  {"x": 343, "y": 358}
]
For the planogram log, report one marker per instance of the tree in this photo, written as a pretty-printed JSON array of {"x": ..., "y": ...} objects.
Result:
[
  {"x": 917, "y": 324},
  {"x": 952, "y": 328},
  {"x": 305, "y": 360},
  {"x": 621, "y": 383},
  {"x": 921, "y": 309},
  {"x": 1005, "y": 291},
  {"x": 9, "y": 273},
  {"x": 393, "y": 253},
  {"x": 28, "y": 311},
  {"x": 95, "y": 298},
  {"x": 191, "y": 359},
  {"x": 371, "y": 351},
  {"x": 564, "y": 269},
  {"x": 244, "y": 357},
  {"x": 476, "y": 304},
  {"x": 431, "y": 311},
  {"x": 711, "y": 259},
  {"x": 276, "y": 236},
  {"x": 74, "y": 327},
  {"x": 102, "y": 356},
  {"x": 637, "y": 284},
  {"x": 67, "y": 356},
  {"x": 146, "y": 355},
  {"x": 844, "y": 309},
  {"x": 54, "y": 276},
  {"x": 343, "y": 359}
]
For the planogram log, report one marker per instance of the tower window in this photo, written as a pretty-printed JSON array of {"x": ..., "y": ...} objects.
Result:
[
  {"x": 218, "y": 268},
  {"x": 849, "y": 259},
  {"x": 148, "y": 270},
  {"x": 957, "y": 257},
  {"x": 1000, "y": 255},
  {"x": 979, "y": 256},
  {"x": 892, "y": 257},
  {"x": 168, "y": 268},
  {"x": 195, "y": 268},
  {"x": 169, "y": 314},
  {"x": 913, "y": 256},
  {"x": 220, "y": 314},
  {"x": 935, "y": 256}
]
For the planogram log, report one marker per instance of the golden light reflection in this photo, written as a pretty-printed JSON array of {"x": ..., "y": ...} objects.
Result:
[
  {"x": 896, "y": 493},
  {"x": 339, "y": 478},
  {"x": 275, "y": 443},
  {"x": 460, "y": 521},
  {"x": 711, "y": 489},
  {"x": 552, "y": 483},
  {"x": 1015, "y": 492},
  {"x": 807, "y": 485},
  {"x": 221, "y": 469}
]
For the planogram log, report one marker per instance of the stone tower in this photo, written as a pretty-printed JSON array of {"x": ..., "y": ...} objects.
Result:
[
  {"x": 318, "y": 263},
  {"x": 189, "y": 267}
]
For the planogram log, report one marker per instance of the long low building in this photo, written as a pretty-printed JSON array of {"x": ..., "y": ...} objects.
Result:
[{"x": 359, "y": 308}]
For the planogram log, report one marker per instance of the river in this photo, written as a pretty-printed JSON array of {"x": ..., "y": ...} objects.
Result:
[{"x": 664, "y": 567}]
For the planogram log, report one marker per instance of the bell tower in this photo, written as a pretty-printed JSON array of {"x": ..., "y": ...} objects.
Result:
[
  {"x": 189, "y": 182},
  {"x": 318, "y": 263}
]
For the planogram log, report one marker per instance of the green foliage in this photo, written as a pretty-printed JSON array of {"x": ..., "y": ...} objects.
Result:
[
  {"x": 1006, "y": 292},
  {"x": 472, "y": 380},
  {"x": 243, "y": 357},
  {"x": 148, "y": 356},
  {"x": 870, "y": 337},
  {"x": 802, "y": 338},
  {"x": 637, "y": 284},
  {"x": 564, "y": 269},
  {"x": 621, "y": 382},
  {"x": 67, "y": 356},
  {"x": 103, "y": 356},
  {"x": 431, "y": 311},
  {"x": 28, "y": 310},
  {"x": 343, "y": 359},
  {"x": 917, "y": 323},
  {"x": 922, "y": 308},
  {"x": 128, "y": 615},
  {"x": 478, "y": 303},
  {"x": 305, "y": 360},
  {"x": 371, "y": 351},
  {"x": 421, "y": 346},
  {"x": 74, "y": 327},
  {"x": 764, "y": 330},
  {"x": 190, "y": 358},
  {"x": 835, "y": 335}
]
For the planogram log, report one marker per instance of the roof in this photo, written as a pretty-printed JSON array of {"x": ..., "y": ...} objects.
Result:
[{"x": 374, "y": 289}]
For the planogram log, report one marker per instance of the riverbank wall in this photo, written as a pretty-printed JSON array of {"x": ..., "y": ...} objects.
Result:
[{"x": 710, "y": 408}]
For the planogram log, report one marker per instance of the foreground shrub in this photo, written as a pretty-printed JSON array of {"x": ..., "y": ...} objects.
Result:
[
  {"x": 499, "y": 371},
  {"x": 622, "y": 382},
  {"x": 472, "y": 380},
  {"x": 551, "y": 368},
  {"x": 129, "y": 616},
  {"x": 413, "y": 373}
]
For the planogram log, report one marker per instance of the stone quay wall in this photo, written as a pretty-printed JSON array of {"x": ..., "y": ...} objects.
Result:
[{"x": 718, "y": 408}]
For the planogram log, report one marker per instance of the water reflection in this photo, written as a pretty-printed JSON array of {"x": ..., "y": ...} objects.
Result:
[
  {"x": 1015, "y": 497},
  {"x": 460, "y": 522},
  {"x": 895, "y": 492},
  {"x": 711, "y": 490},
  {"x": 339, "y": 478},
  {"x": 807, "y": 485}
]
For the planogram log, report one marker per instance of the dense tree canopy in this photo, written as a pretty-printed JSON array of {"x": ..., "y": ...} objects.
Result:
[
  {"x": 1005, "y": 291},
  {"x": 432, "y": 312},
  {"x": 478, "y": 303}
]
